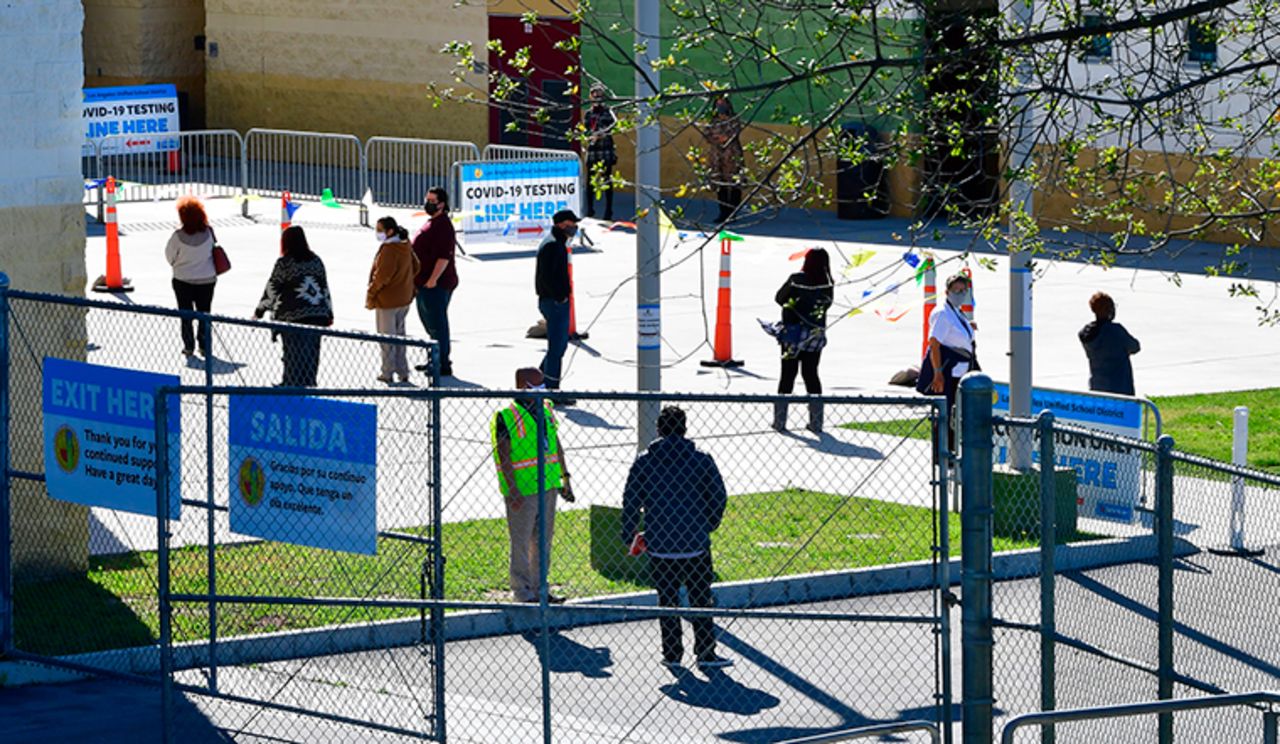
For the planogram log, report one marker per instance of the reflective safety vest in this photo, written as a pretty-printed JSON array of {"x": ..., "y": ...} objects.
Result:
[{"x": 523, "y": 428}]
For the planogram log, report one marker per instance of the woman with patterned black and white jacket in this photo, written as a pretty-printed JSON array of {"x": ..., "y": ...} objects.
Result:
[{"x": 298, "y": 292}]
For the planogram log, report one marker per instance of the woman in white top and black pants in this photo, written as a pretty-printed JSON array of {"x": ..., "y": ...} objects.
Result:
[
  {"x": 951, "y": 344},
  {"x": 190, "y": 253}
]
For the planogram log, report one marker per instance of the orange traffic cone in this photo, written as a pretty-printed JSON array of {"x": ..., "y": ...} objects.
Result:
[
  {"x": 113, "y": 281},
  {"x": 724, "y": 308}
]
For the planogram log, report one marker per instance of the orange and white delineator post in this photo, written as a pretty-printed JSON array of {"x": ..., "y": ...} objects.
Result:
[
  {"x": 573, "y": 312},
  {"x": 723, "y": 351},
  {"x": 114, "y": 280},
  {"x": 930, "y": 302}
]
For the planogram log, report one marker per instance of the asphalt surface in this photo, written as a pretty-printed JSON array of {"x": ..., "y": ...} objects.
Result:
[{"x": 791, "y": 677}]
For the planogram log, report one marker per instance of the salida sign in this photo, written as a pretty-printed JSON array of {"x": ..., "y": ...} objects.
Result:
[{"x": 303, "y": 471}]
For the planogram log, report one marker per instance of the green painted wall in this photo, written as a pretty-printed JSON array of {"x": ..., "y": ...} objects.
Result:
[{"x": 604, "y": 58}]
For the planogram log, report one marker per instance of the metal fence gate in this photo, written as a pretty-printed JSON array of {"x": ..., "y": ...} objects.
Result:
[
  {"x": 1087, "y": 612},
  {"x": 829, "y": 583},
  {"x": 78, "y": 584}
]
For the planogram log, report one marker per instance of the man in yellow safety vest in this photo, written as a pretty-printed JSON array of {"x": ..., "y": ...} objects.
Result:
[{"x": 514, "y": 433}]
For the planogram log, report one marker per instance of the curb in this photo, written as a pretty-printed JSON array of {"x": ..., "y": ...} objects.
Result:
[{"x": 466, "y": 625}]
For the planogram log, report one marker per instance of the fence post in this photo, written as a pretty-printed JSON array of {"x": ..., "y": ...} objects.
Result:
[
  {"x": 544, "y": 591},
  {"x": 437, "y": 537},
  {"x": 206, "y": 342},
  {"x": 1048, "y": 571},
  {"x": 364, "y": 182},
  {"x": 975, "y": 519},
  {"x": 1239, "y": 456},
  {"x": 162, "y": 563},
  {"x": 943, "y": 457},
  {"x": 1271, "y": 727},
  {"x": 6, "y": 514},
  {"x": 244, "y": 176},
  {"x": 1164, "y": 552}
]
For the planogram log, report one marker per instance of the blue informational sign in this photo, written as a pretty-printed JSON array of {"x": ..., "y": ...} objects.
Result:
[
  {"x": 136, "y": 118},
  {"x": 100, "y": 436},
  {"x": 515, "y": 200},
  {"x": 1108, "y": 474},
  {"x": 304, "y": 471}
]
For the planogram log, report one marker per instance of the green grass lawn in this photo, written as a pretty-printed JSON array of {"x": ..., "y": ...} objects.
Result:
[
  {"x": 762, "y": 535},
  {"x": 1202, "y": 424},
  {"x": 1199, "y": 424}
]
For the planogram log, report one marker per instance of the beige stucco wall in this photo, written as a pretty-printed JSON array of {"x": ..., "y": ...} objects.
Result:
[
  {"x": 130, "y": 42},
  {"x": 357, "y": 67},
  {"x": 41, "y": 249}
]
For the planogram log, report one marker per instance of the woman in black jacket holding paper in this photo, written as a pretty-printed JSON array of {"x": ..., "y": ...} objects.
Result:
[
  {"x": 805, "y": 298},
  {"x": 298, "y": 292}
]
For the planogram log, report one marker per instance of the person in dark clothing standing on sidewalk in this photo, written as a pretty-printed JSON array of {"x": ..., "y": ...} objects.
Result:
[
  {"x": 1109, "y": 346},
  {"x": 438, "y": 275},
  {"x": 552, "y": 284},
  {"x": 601, "y": 156},
  {"x": 681, "y": 495},
  {"x": 298, "y": 292}
]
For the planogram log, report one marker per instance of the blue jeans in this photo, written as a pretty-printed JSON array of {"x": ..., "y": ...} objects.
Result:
[
  {"x": 557, "y": 317},
  {"x": 433, "y": 310}
]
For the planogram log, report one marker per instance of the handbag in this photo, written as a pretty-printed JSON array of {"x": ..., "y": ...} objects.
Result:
[{"x": 221, "y": 264}]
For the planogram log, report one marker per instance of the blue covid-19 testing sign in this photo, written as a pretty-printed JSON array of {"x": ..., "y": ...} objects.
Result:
[
  {"x": 133, "y": 118},
  {"x": 1108, "y": 474},
  {"x": 100, "y": 436},
  {"x": 304, "y": 471},
  {"x": 515, "y": 200}
]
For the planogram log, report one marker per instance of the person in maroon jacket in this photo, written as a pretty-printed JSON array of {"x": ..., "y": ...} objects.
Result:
[{"x": 438, "y": 277}]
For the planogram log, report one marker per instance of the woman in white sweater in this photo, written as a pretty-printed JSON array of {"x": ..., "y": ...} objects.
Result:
[{"x": 190, "y": 253}]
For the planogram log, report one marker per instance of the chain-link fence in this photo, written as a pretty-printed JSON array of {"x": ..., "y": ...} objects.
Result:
[
  {"x": 1148, "y": 592},
  {"x": 81, "y": 580},
  {"x": 810, "y": 561}
]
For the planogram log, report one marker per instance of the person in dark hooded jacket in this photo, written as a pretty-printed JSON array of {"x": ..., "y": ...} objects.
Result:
[
  {"x": 681, "y": 495},
  {"x": 1109, "y": 347}
]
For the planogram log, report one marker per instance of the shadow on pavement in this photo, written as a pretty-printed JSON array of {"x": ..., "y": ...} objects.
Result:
[
  {"x": 569, "y": 656},
  {"x": 719, "y": 692}
]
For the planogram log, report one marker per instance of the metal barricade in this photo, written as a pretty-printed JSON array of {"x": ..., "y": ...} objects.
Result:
[
  {"x": 206, "y": 163},
  {"x": 305, "y": 164},
  {"x": 518, "y": 152},
  {"x": 400, "y": 170},
  {"x": 89, "y": 171}
]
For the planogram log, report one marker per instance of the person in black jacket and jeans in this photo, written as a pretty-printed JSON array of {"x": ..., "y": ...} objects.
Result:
[
  {"x": 1109, "y": 346},
  {"x": 802, "y": 334},
  {"x": 298, "y": 292},
  {"x": 680, "y": 493},
  {"x": 552, "y": 284}
]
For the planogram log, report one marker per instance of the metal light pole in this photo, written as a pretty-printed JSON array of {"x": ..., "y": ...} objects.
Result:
[
  {"x": 648, "y": 183},
  {"x": 1020, "y": 198}
]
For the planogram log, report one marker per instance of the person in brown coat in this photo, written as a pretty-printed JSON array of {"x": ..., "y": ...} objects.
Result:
[
  {"x": 724, "y": 148},
  {"x": 391, "y": 292}
]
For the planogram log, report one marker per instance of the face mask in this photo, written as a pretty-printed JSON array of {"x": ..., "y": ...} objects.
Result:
[
  {"x": 571, "y": 230},
  {"x": 956, "y": 298},
  {"x": 381, "y": 238},
  {"x": 539, "y": 386},
  {"x": 431, "y": 207},
  {"x": 722, "y": 109}
]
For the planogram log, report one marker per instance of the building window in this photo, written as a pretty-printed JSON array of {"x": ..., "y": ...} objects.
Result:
[
  {"x": 1202, "y": 41},
  {"x": 1095, "y": 48}
]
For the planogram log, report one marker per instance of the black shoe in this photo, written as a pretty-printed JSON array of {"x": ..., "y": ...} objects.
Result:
[
  {"x": 591, "y": 213},
  {"x": 446, "y": 371},
  {"x": 608, "y": 216},
  {"x": 711, "y": 661},
  {"x": 423, "y": 367},
  {"x": 565, "y": 402}
]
